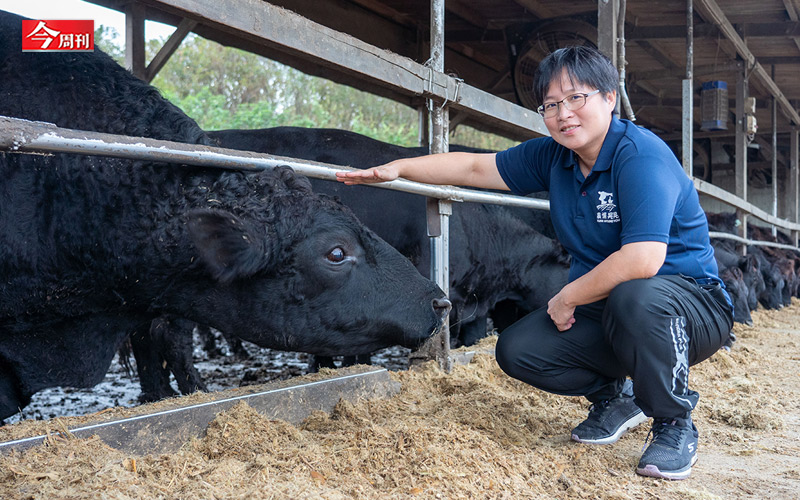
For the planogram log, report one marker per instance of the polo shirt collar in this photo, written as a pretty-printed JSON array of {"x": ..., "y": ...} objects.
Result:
[{"x": 615, "y": 133}]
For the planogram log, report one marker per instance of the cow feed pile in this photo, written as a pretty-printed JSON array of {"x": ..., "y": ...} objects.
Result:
[{"x": 472, "y": 434}]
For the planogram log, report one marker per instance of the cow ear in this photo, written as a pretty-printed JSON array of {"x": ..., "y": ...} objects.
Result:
[
  {"x": 226, "y": 245},
  {"x": 749, "y": 264}
]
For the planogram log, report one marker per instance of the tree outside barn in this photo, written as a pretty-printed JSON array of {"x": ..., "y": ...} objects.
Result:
[{"x": 222, "y": 87}]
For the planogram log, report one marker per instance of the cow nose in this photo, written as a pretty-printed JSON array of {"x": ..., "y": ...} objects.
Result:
[{"x": 442, "y": 306}]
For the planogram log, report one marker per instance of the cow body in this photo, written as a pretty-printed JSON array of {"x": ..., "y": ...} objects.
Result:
[{"x": 93, "y": 249}]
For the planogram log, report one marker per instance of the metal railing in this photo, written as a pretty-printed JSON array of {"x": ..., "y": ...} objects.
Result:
[
  {"x": 739, "y": 239},
  {"x": 26, "y": 136}
]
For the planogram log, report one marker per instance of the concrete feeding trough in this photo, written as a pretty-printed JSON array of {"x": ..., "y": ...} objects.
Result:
[
  {"x": 166, "y": 430},
  {"x": 173, "y": 423}
]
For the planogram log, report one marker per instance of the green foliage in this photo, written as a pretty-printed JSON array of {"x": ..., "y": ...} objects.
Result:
[
  {"x": 222, "y": 87},
  {"x": 108, "y": 40}
]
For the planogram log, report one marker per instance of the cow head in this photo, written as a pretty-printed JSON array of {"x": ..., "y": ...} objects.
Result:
[
  {"x": 738, "y": 292},
  {"x": 301, "y": 273},
  {"x": 754, "y": 280}
]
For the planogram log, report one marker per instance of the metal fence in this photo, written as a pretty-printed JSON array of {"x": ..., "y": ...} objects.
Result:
[{"x": 26, "y": 136}]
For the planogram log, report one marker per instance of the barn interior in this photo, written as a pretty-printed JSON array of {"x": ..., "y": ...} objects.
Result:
[{"x": 718, "y": 80}]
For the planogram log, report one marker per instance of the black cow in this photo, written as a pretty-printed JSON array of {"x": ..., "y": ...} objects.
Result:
[
  {"x": 494, "y": 255},
  {"x": 770, "y": 295},
  {"x": 92, "y": 249},
  {"x": 784, "y": 260},
  {"x": 738, "y": 291},
  {"x": 749, "y": 268},
  {"x": 500, "y": 266}
]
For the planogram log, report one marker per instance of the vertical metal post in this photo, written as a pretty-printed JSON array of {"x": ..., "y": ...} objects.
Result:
[
  {"x": 688, "y": 94},
  {"x": 134, "y": 40},
  {"x": 438, "y": 211},
  {"x": 741, "y": 150},
  {"x": 774, "y": 158},
  {"x": 423, "y": 137},
  {"x": 794, "y": 181}
]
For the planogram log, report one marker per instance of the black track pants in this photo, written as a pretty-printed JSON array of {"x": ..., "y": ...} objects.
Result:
[{"x": 649, "y": 329}]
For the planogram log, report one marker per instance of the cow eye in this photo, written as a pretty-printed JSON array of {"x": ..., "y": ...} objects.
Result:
[{"x": 336, "y": 255}]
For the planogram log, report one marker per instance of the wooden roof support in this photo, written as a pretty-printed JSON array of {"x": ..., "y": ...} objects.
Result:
[
  {"x": 710, "y": 11},
  {"x": 270, "y": 26},
  {"x": 134, "y": 39},
  {"x": 169, "y": 48},
  {"x": 793, "y": 11}
]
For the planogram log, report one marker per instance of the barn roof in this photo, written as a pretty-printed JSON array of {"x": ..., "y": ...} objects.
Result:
[{"x": 492, "y": 46}]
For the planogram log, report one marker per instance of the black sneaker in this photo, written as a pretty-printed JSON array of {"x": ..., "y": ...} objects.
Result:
[
  {"x": 609, "y": 419},
  {"x": 673, "y": 450}
]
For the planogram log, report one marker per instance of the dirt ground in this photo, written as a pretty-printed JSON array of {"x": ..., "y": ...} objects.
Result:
[{"x": 474, "y": 433}]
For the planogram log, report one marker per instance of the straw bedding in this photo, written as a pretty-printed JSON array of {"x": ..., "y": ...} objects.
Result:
[{"x": 474, "y": 433}]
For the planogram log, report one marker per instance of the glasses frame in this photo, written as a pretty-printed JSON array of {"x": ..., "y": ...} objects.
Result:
[{"x": 563, "y": 102}]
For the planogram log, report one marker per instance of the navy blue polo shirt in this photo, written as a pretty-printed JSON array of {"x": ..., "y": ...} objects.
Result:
[{"x": 636, "y": 191}]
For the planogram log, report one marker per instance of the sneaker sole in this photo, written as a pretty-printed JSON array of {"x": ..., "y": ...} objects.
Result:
[
  {"x": 651, "y": 470},
  {"x": 629, "y": 424}
]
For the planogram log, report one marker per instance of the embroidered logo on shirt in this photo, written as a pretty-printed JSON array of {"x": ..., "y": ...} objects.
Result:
[{"x": 607, "y": 210}]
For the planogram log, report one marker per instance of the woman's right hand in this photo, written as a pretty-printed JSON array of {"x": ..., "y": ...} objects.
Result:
[{"x": 381, "y": 173}]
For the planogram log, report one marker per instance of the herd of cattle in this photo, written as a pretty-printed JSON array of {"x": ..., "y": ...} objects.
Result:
[{"x": 99, "y": 252}]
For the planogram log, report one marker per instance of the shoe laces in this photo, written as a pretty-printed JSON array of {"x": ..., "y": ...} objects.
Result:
[
  {"x": 598, "y": 407},
  {"x": 666, "y": 432}
]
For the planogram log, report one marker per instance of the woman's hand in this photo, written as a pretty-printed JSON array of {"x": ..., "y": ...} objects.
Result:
[
  {"x": 563, "y": 315},
  {"x": 382, "y": 173}
]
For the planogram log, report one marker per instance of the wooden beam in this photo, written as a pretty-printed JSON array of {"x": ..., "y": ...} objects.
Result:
[
  {"x": 793, "y": 11},
  {"x": 778, "y": 60},
  {"x": 465, "y": 11},
  {"x": 711, "y": 12},
  {"x": 535, "y": 7},
  {"x": 636, "y": 33},
  {"x": 279, "y": 29},
  {"x": 169, "y": 48},
  {"x": 388, "y": 12},
  {"x": 134, "y": 39},
  {"x": 656, "y": 53},
  {"x": 474, "y": 35},
  {"x": 780, "y": 29},
  {"x": 769, "y": 30},
  {"x": 360, "y": 22},
  {"x": 607, "y": 30},
  {"x": 767, "y": 151},
  {"x": 722, "y": 195},
  {"x": 720, "y": 135},
  {"x": 678, "y": 73}
]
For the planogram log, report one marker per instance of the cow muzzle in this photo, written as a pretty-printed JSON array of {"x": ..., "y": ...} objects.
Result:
[{"x": 441, "y": 307}]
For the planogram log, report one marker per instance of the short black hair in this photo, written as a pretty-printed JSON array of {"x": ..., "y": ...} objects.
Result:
[{"x": 584, "y": 65}]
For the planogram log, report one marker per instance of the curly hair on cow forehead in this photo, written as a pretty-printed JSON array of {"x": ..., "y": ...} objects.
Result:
[{"x": 585, "y": 65}]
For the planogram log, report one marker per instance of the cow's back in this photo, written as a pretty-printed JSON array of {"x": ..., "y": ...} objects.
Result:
[{"x": 87, "y": 91}]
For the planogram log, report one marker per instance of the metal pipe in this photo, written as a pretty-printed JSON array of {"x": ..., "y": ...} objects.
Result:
[
  {"x": 623, "y": 93},
  {"x": 687, "y": 108},
  {"x": 774, "y": 157},
  {"x": 438, "y": 211},
  {"x": 27, "y": 136},
  {"x": 689, "y": 40},
  {"x": 739, "y": 239}
]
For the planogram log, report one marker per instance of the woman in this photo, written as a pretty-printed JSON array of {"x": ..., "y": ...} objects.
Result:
[{"x": 644, "y": 299}]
